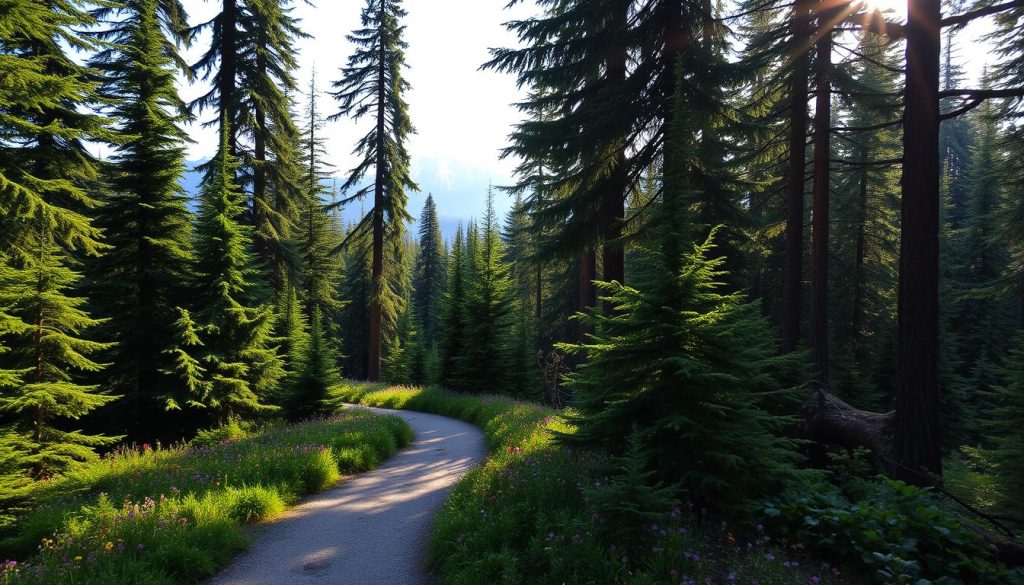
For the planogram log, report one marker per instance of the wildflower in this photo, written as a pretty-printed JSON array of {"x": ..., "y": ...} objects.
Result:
[
  {"x": 109, "y": 545},
  {"x": 78, "y": 559},
  {"x": 140, "y": 546}
]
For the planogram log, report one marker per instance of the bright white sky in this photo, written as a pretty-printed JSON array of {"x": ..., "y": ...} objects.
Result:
[{"x": 462, "y": 115}]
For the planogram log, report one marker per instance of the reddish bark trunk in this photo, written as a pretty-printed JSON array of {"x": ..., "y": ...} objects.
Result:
[
  {"x": 817, "y": 332},
  {"x": 792, "y": 278},
  {"x": 916, "y": 445}
]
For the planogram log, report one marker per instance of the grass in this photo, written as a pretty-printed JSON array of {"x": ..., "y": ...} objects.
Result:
[
  {"x": 159, "y": 516},
  {"x": 529, "y": 513}
]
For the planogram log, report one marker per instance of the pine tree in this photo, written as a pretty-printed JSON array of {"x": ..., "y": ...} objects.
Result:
[
  {"x": 489, "y": 309},
  {"x": 45, "y": 169},
  {"x": 1007, "y": 422},
  {"x": 429, "y": 273},
  {"x": 452, "y": 326},
  {"x": 187, "y": 369},
  {"x": 317, "y": 373},
  {"x": 686, "y": 365},
  {"x": 292, "y": 333},
  {"x": 51, "y": 354},
  {"x": 353, "y": 319},
  {"x": 144, "y": 276},
  {"x": 243, "y": 365},
  {"x": 318, "y": 233},
  {"x": 372, "y": 83}
]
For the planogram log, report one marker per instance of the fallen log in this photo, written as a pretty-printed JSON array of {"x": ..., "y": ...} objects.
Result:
[{"x": 827, "y": 419}]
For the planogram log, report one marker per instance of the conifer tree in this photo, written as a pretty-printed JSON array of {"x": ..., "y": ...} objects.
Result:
[
  {"x": 686, "y": 365},
  {"x": 353, "y": 319},
  {"x": 429, "y": 273},
  {"x": 318, "y": 232},
  {"x": 51, "y": 353},
  {"x": 489, "y": 309},
  {"x": 44, "y": 121},
  {"x": 144, "y": 276},
  {"x": 317, "y": 373},
  {"x": 452, "y": 326},
  {"x": 243, "y": 367},
  {"x": 372, "y": 83},
  {"x": 1008, "y": 420}
]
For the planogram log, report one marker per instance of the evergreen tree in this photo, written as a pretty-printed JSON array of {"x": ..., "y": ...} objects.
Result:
[
  {"x": 187, "y": 369},
  {"x": 452, "y": 325},
  {"x": 50, "y": 356},
  {"x": 315, "y": 376},
  {"x": 372, "y": 83},
  {"x": 144, "y": 275},
  {"x": 292, "y": 332},
  {"x": 45, "y": 169},
  {"x": 429, "y": 273},
  {"x": 353, "y": 319},
  {"x": 243, "y": 365},
  {"x": 690, "y": 367},
  {"x": 319, "y": 234},
  {"x": 1007, "y": 422},
  {"x": 489, "y": 310}
]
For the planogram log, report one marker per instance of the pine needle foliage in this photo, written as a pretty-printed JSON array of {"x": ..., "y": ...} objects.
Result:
[
  {"x": 144, "y": 276},
  {"x": 429, "y": 272},
  {"x": 689, "y": 366},
  {"x": 51, "y": 354},
  {"x": 45, "y": 169},
  {"x": 243, "y": 364},
  {"x": 1007, "y": 436}
]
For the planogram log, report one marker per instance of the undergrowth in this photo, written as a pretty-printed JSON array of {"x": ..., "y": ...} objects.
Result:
[
  {"x": 536, "y": 512},
  {"x": 153, "y": 516}
]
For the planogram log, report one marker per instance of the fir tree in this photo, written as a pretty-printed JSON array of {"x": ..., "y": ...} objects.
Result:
[
  {"x": 317, "y": 373},
  {"x": 429, "y": 273},
  {"x": 353, "y": 323},
  {"x": 372, "y": 83},
  {"x": 243, "y": 365},
  {"x": 44, "y": 120},
  {"x": 452, "y": 325},
  {"x": 146, "y": 221},
  {"x": 1007, "y": 422},
  {"x": 489, "y": 309},
  {"x": 51, "y": 354},
  {"x": 690, "y": 367}
]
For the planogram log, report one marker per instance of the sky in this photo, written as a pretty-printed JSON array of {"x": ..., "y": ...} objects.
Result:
[{"x": 462, "y": 115}]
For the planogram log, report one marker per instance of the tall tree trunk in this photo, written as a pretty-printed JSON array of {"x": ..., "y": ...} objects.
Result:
[
  {"x": 916, "y": 447},
  {"x": 857, "y": 325},
  {"x": 792, "y": 278},
  {"x": 613, "y": 256},
  {"x": 817, "y": 333},
  {"x": 587, "y": 290},
  {"x": 377, "y": 283},
  {"x": 228, "y": 69}
]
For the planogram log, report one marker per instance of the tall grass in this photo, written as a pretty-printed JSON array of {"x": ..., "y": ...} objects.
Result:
[
  {"x": 528, "y": 514},
  {"x": 173, "y": 515}
]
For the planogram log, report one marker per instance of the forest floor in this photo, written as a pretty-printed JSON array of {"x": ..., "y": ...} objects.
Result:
[{"x": 373, "y": 528}]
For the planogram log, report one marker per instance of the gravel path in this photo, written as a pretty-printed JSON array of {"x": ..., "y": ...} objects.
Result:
[{"x": 373, "y": 528}]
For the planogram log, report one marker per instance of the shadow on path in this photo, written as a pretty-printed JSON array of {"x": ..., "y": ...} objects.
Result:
[{"x": 373, "y": 528}]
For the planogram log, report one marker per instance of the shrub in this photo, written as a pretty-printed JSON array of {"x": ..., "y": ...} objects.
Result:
[{"x": 899, "y": 533}]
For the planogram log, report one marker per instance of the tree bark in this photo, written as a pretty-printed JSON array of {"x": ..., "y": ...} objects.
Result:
[
  {"x": 817, "y": 333},
  {"x": 613, "y": 256},
  {"x": 792, "y": 277},
  {"x": 228, "y": 70},
  {"x": 916, "y": 446},
  {"x": 377, "y": 267},
  {"x": 587, "y": 290}
]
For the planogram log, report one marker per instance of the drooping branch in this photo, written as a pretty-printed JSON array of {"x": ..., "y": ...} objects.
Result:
[{"x": 966, "y": 17}]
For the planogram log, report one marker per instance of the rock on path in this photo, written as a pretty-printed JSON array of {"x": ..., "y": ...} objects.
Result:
[{"x": 373, "y": 528}]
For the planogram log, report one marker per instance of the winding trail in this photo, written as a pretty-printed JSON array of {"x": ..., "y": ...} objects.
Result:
[{"x": 373, "y": 528}]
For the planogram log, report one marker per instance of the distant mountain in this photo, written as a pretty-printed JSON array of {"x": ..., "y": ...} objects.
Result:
[{"x": 458, "y": 190}]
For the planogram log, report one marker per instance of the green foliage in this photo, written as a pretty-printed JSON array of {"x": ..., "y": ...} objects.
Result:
[
  {"x": 51, "y": 355},
  {"x": 242, "y": 365},
  {"x": 317, "y": 372},
  {"x": 529, "y": 514},
  {"x": 488, "y": 313},
  {"x": 45, "y": 169},
  {"x": 895, "y": 532},
  {"x": 429, "y": 273},
  {"x": 453, "y": 321},
  {"x": 144, "y": 275},
  {"x": 1008, "y": 420},
  {"x": 173, "y": 515},
  {"x": 693, "y": 369}
]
